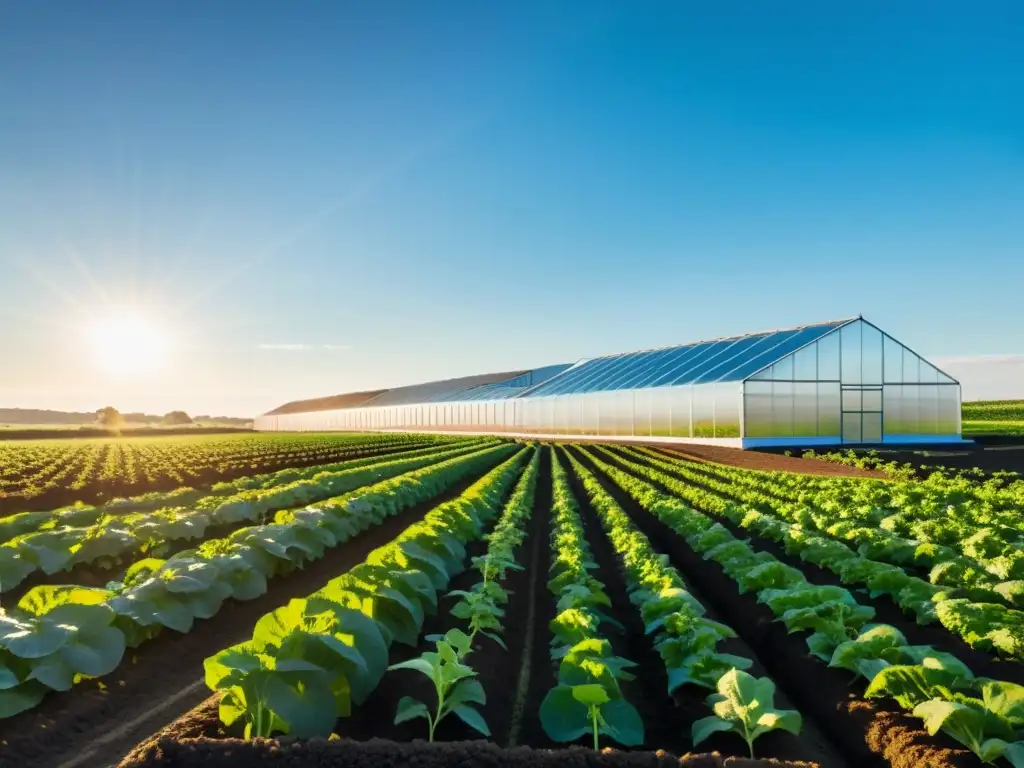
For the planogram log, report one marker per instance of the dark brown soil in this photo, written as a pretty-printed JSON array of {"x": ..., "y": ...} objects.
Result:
[
  {"x": 73, "y": 728},
  {"x": 818, "y": 692},
  {"x": 497, "y": 669},
  {"x": 737, "y": 457},
  {"x": 233, "y": 753}
]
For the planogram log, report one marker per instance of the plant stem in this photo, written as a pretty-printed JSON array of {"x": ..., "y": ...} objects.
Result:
[{"x": 593, "y": 719}]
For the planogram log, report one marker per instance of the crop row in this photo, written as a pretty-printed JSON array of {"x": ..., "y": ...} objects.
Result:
[
  {"x": 78, "y": 536},
  {"x": 48, "y": 474},
  {"x": 985, "y": 714},
  {"x": 56, "y": 634},
  {"x": 983, "y": 624},
  {"x": 309, "y": 662}
]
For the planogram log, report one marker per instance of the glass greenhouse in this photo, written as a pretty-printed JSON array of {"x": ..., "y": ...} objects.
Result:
[{"x": 844, "y": 381}]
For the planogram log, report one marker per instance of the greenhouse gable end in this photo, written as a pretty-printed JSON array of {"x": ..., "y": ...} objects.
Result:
[{"x": 839, "y": 382}]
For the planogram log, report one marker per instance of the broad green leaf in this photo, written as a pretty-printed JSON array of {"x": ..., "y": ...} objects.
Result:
[
  {"x": 472, "y": 718},
  {"x": 562, "y": 717},
  {"x": 1005, "y": 700},
  {"x": 590, "y": 694},
  {"x": 706, "y": 727},
  {"x": 409, "y": 708},
  {"x": 21, "y": 698},
  {"x": 622, "y": 722},
  {"x": 466, "y": 692}
]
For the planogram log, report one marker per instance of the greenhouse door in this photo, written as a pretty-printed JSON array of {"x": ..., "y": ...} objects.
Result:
[{"x": 862, "y": 414}]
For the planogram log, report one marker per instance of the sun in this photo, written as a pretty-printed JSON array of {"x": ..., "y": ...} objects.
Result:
[{"x": 126, "y": 343}]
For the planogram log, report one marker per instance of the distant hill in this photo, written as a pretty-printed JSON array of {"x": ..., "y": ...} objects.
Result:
[{"x": 37, "y": 418}]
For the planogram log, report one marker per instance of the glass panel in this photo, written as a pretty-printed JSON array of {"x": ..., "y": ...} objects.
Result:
[
  {"x": 805, "y": 363},
  {"x": 872, "y": 400},
  {"x": 851, "y": 428},
  {"x": 775, "y": 346},
  {"x": 782, "y": 408},
  {"x": 757, "y": 409},
  {"x": 871, "y": 354},
  {"x": 703, "y": 410},
  {"x": 805, "y": 409},
  {"x": 727, "y": 410},
  {"x": 829, "y": 423},
  {"x": 660, "y": 423},
  {"x": 912, "y": 408},
  {"x": 893, "y": 361},
  {"x": 911, "y": 373},
  {"x": 723, "y": 352},
  {"x": 949, "y": 410},
  {"x": 765, "y": 374},
  {"x": 652, "y": 361},
  {"x": 783, "y": 369},
  {"x": 943, "y": 378},
  {"x": 605, "y": 377},
  {"x": 667, "y": 364},
  {"x": 928, "y": 374},
  {"x": 871, "y": 427},
  {"x": 641, "y": 412},
  {"x": 850, "y": 337},
  {"x": 828, "y": 357},
  {"x": 590, "y": 416},
  {"x": 852, "y": 400},
  {"x": 679, "y": 398},
  {"x": 684, "y": 372},
  {"x": 928, "y": 413},
  {"x": 742, "y": 350}
]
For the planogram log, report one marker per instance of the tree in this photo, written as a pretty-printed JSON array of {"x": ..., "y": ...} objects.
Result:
[
  {"x": 176, "y": 419},
  {"x": 109, "y": 417}
]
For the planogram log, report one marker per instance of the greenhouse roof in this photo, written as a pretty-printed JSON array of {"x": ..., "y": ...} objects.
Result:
[{"x": 733, "y": 358}]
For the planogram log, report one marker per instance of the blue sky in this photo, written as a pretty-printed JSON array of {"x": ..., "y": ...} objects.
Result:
[{"x": 309, "y": 199}]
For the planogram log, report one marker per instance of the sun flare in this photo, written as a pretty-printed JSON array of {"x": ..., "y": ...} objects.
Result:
[{"x": 127, "y": 343}]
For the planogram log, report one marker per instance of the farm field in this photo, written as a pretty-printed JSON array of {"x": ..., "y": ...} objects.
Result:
[
  {"x": 546, "y": 596},
  {"x": 45, "y": 474}
]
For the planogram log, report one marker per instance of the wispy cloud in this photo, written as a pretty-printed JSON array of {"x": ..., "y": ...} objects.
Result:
[
  {"x": 302, "y": 347},
  {"x": 979, "y": 359},
  {"x": 286, "y": 347}
]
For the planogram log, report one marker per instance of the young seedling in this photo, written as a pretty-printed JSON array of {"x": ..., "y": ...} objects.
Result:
[
  {"x": 456, "y": 691},
  {"x": 569, "y": 712},
  {"x": 744, "y": 705}
]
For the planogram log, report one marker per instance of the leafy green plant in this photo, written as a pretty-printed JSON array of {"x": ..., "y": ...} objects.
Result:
[
  {"x": 743, "y": 704},
  {"x": 990, "y": 726},
  {"x": 570, "y": 712},
  {"x": 457, "y": 692}
]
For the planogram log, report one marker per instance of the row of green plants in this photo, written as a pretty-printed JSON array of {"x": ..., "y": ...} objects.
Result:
[
  {"x": 587, "y": 699},
  {"x": 57, "y": 635},
  {"x": 456, "y": 689},
  {"x": 983, "y": 626},
  {"x": 686, "y": 639},
  {"x": 67, "y": 541},
  {"x": 56, "y": 472},
  {"x": 82, "y": 514},
  {"x": 971, "y": 526},
  {"x": 981, "y": 567},
  {"x": 313, "y": 660},
  {"x": 985, "y": 715}
]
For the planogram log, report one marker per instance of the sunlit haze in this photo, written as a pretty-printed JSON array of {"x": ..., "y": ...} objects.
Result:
[{"x": 221, "y": 207}]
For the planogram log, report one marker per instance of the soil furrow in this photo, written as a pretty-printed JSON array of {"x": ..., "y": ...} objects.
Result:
[
  {"x": 886, "y": 611},
  {"x": 65, "y": 724},
  {"x": 875, "y": 733}
]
